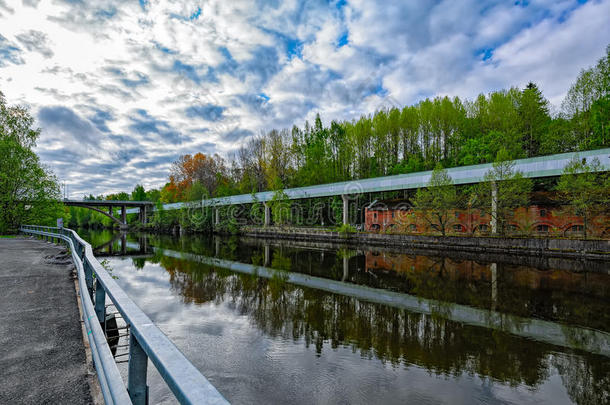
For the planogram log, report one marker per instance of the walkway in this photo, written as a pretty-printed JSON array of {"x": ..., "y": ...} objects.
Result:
[{"x": 42, "y": 356}]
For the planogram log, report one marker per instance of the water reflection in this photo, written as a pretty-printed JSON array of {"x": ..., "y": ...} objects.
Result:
[{"x": 401, "y": 339}]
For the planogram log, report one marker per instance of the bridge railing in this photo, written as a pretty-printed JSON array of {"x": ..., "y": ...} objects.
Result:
[{"x": 146, "y": 341}]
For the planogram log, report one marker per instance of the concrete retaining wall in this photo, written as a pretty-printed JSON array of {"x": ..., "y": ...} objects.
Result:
[{"x": 568, "y": 248}]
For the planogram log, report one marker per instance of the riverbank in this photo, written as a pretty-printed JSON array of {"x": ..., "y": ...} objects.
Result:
[
  {"x": 42, "y": 356},
  {"x": 558, "y": 248}
]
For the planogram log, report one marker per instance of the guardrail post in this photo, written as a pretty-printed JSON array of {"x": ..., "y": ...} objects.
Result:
[
  {"x": 100, "y": 301},
  {"x": 136, "y": 376}
]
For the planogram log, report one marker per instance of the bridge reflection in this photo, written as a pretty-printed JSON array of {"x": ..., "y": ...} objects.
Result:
[{"x": 120, "y": 246}]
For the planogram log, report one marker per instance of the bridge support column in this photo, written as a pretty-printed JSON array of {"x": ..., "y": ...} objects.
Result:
[
  {"x": 144, "y": 216},
  {"x": 216, "y": 217},
  {"x": 494, "y": 208},
  {"x": 345, "y": 268},
  {"x": 123, "y": 243},
  {"x": 267, "y": 257},
  {"x": 267, "y": 213},
  {"x": 345, "y": 199}
]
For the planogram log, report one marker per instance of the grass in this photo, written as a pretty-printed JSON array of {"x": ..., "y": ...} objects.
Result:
[{"x": 8, "y": 236}]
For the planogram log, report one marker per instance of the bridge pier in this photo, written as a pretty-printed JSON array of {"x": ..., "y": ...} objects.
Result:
[
  {"x": 494, "y": 208},
  {"x": 216, "y": 216},
  {"x": 123, "y": 217},
  {"x": 142, "y": 215},
  {"x": 267, "y": 256},
  {"x": 345, "y": 268},
  {"x": 494, "y": 285},
  {"x": 267, "y": 213},
  {"x": 345, "y": 199}
]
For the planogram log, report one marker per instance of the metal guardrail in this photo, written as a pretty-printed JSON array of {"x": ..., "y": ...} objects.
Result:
[{"x": 146, "y": 340}]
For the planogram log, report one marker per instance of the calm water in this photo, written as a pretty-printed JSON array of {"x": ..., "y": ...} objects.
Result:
[{"x": 335, "y": 325}]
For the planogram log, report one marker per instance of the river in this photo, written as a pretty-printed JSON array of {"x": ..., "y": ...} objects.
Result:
[{"x": 274, "y": 322}]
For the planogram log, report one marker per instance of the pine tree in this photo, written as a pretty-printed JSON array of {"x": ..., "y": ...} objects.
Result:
[{"x": 534, "y": 114}]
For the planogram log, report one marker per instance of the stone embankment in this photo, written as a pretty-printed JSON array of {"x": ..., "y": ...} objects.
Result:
[{"x": 561, "y": 248}]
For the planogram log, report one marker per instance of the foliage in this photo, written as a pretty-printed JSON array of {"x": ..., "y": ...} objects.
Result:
[
  {"x": 138, "y": 193},
  {"x": 280, "y": 207},
  {"x": 29, "y": 192},
  {"x": 257, "y": 211},
  {"x": 438, "y": 200},
  {"x": 587, "y": 192},
  {"x": 511, "y": 191},
  {"x": 346, "y": 229},
  {"x": 200, "y": 172},
  {"x": 586, "y": 104}
]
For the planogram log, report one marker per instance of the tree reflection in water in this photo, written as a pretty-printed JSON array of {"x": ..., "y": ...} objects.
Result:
[{"x": 389, "y": 334}]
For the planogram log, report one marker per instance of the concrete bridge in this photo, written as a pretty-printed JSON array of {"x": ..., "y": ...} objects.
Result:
[
  {"x": 538, "y": 167},
  {"x": 141, "y": 207}
]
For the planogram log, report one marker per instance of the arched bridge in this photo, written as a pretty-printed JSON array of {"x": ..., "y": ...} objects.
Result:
[{"x": 109, "y": 205}]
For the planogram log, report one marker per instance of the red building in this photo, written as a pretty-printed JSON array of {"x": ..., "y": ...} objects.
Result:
[{"x": 543, "y": 216}]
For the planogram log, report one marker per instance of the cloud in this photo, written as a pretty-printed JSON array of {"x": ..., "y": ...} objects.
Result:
[
  {"x": 36, "y": 41},
  {"x": 65, "y": 122},
  {"x": 9, "y": 52},
  {"x": 142, "y": 123},
  {"x": 236, "y": 134},
  {"x": 100, "y": 119},
  {"x": 122, "y": 89},
  {"x": 206, "y": 112}
]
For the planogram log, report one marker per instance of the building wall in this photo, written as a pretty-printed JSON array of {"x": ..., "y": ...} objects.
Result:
[{"x": 536, "y": 219}]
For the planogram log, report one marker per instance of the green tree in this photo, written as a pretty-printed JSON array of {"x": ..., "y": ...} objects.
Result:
[
  {"x": 29, "y": 192},
  {"x": 280, "y": 207},
  {"x": 138, "y": 193},
  {"x": 586, "y": 187},
  {"x": 437, "y": 201},
  {"x": 534, "y": 114},
  {"x": 591, "y": 85},
  {"x": 504, "y": 190}
]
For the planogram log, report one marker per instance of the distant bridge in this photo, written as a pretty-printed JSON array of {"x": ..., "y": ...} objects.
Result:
[
  {"x": 538, "y": 167},
  {"x": 141, "y": 207}
]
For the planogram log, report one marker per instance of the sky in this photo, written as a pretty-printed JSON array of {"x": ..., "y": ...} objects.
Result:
[{"x": 122, "y": 88}]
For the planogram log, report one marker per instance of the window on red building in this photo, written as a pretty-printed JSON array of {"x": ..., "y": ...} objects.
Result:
[
  {"x": 542, "y": 228},
  {"x": 543, "y": 213}
]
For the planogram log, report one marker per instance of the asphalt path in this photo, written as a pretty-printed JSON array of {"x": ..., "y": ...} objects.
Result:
[{"x": 42, "y": 355}]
